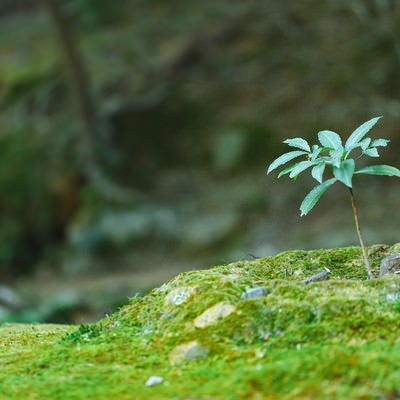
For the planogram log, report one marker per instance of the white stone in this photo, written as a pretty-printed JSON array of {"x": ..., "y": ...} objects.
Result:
[
  {"x": 154, "y": 380},
  {"x": 179, "y": 295},
  {"x": 213, "y": 314}
]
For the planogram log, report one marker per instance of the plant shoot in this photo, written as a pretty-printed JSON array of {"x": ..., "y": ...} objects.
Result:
[{"x": 331, "y": 154}]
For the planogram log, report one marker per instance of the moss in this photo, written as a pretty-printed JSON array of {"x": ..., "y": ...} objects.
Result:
[{"x": 330, "y": 339}]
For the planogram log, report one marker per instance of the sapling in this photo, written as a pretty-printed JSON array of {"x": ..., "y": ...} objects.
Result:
[{"x": 336, "y": 156}]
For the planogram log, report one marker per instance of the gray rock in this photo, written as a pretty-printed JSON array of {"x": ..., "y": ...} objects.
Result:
[
  {"x": 321, "y": 276},
  {"x": 390, "y": 265},
  {"x": 252, "y": 293}
]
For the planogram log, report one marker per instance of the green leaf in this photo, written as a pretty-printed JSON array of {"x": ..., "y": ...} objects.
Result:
[
  {"x": 336, "y": 157},
  {"x": 380, "y": 142},
  {"x": 299, "y": 143},
  {"x": 300, "y": 167},
  {"x": 315, "y": 152},
  {"x": 287, "y": 170},
  {"x": 345, "y": 172},
  {"x": 284, "y": 158},
  {"x": 312, "y": 198},
  {"x": 359, "y": 133},
  {"x": 330, "y": 139},
  {"x": 318, "y": 171},
  {"x": 371, "y": 152},
  {"x": 387, "y": 170},
  {"x": 365, "y": 143}
]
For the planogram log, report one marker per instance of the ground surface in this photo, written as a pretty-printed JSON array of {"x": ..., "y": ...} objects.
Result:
[
  {"x": 207, "y": 339},
  {"x": 196, "y": 138}
]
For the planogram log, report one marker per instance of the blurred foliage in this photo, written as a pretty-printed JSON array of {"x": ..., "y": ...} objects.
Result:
[
  {"x": 94, "y": 13},
  {"x": 179, "y": 86},
  {"x": 25, "y": 200},
  {"x": 11, "y": 6}
]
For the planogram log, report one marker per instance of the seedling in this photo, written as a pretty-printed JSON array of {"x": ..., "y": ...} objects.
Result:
[{"x": 336, "y": 156}]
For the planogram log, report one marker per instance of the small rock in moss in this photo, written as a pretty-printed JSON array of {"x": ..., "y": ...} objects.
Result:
[
  {"x": 179, "y": 295},
  {"x": 213, "y": 314},
  {"x": 188, "y": 351},
  {"x": 154, "y": 380},
  {"x": 254, "y": 292}
]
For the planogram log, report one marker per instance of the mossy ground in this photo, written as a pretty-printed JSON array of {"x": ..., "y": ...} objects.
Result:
[{"x": 332, "y": 339}]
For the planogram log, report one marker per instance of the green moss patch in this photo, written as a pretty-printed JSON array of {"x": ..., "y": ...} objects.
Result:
[{"x": 206, "y": 339}]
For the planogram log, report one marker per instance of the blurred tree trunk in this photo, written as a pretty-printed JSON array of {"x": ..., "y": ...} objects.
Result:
[
  {"x": 91, "y": 124},
  {"x": 76, "y": 70}
]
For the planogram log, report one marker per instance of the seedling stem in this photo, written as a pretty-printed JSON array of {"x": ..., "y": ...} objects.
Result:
[{"x": 360, "y": 238}]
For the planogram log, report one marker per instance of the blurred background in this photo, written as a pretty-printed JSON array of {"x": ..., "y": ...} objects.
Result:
[{"x": 135, "y": 136}]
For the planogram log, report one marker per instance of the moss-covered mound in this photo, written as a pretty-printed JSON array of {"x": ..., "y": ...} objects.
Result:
[{"x": 251, "y": 329}]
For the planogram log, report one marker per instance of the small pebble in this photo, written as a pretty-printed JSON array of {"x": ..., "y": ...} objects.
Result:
[
  {"x": 322, "y": 276},
  {"x": 213, "y": 314},
  {"x": 189, "y": 352},
  {"x": 154, "y": 380},
  {"x": 252, "y": 293}
]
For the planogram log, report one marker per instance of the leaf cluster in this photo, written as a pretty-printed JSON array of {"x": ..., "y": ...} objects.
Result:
[{"x": 332, "y": 153}]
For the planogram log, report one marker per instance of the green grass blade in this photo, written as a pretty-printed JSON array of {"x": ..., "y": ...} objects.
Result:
[
  {"x": 387, "y": 170},
  {"x": 284, "y": 158},
  {"x": 312, "y": 198}
]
